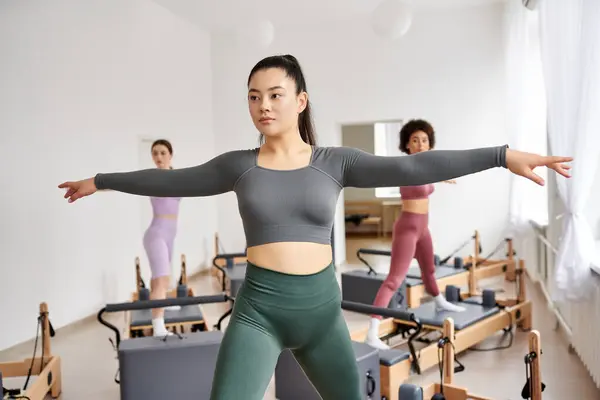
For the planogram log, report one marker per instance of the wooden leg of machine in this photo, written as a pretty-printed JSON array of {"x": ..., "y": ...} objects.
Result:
[
  {"x": 447, "y": 388},
  {"x": 510, "y": 272},
  {"x": 49, "y": 379},
  {"x": 527, "y": 321},
  {"x": 535, "y": 353}
]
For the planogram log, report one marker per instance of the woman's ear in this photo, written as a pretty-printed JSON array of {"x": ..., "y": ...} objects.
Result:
[{"x": 302, "y": 102}]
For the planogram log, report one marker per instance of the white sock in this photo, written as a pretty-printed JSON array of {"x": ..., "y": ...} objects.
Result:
[
  {"x": 442, "y": 304},
  {"x": 159, "y": 328},
  {"x": 372, "y": 338}
]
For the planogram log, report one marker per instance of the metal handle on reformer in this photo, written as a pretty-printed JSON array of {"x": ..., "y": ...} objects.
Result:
[
  {"x": 161, "y": 303},
  {"x": 373, "y": 252},
  {"x": 230, "y": 256},
  {"x": 227, "y": 256},
  {"x": 384, "y": 312}
]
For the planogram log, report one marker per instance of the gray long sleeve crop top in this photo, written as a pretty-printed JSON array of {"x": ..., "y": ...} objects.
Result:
[{"x": 299, "y": 205}]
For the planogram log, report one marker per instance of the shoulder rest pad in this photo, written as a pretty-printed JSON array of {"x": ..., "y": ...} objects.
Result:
[{"x": 392, "y": 357}]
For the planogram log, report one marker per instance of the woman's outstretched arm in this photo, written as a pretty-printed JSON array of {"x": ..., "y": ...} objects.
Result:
[
  {"x": 364, "y": 170},
  {"x": 213, "y": 177}
]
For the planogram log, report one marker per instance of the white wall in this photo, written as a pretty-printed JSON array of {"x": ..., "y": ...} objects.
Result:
[
  {"x": 80, "y": 83},
  {"x": 360, "y": 137},
  {"x": 448, "y": 69}
]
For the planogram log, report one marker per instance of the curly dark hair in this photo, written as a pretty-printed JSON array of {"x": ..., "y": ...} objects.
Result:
[{"x": 413, "y": 126}]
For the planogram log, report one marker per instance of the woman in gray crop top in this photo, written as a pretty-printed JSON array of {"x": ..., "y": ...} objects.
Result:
[{"x": 287, "y": 191}]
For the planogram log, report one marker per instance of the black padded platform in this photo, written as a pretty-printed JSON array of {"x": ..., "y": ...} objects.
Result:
[
  {"x": 429, "y": 315},
  {"x": 236, "y": 276},
  {"x": 186, "y": 314},
  {"x": 291, "y": 382},
  {"x": 441, "y": 271},
  {"x": 153, "y": 368},
  {"x": 391, "y": 357},
  {"x": 360, "y": 286}
]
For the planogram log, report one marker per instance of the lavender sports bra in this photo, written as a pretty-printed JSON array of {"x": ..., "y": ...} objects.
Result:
[{"x": 416, "y": 192}]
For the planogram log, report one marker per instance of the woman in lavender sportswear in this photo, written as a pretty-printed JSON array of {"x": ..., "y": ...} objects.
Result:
[{"x": 160, "y": 236}]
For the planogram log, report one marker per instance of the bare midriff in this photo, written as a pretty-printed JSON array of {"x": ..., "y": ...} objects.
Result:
[
  {"x": 294, "y": 258},
  {"x": 417, "y": 206},
  {"x": 166, "y": 216}
]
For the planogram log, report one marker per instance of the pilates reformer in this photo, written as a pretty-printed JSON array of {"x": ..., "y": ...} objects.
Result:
[
  {"x": 484, "y": 315},
  {"x": 139, "y": 321},
  {"x": 46, "y": 369},
  {"x": 361, "y": 285},
  {"x": 180, "y": 366},
  {"x": 229, "y": 269},
  {"x": 447, "y": 390}
]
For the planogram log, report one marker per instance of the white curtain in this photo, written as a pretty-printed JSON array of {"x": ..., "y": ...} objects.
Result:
[
  {"x": 570, "y": 43},
  {"x": 526, "y": 113}
]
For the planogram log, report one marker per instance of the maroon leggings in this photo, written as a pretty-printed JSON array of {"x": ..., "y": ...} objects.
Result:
[{"x": 411, "y": 239}]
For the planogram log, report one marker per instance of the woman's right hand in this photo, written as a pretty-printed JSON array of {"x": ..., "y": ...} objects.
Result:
[{"x": 78, "y": 189}]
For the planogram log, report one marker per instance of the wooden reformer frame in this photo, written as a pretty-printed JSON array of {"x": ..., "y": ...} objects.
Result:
[
  {"x": 515, "y": 311},
  {"x": 480, "y": 268},
  {"x": 454, "y": 392},
  {"x": 48, "y": 378},
  {"x": 135, "y": 331}
]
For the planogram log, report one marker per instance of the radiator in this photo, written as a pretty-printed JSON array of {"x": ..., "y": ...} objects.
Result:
[
  {"x": 584, "y": 321},
  {"x": 581, "y": 320}
]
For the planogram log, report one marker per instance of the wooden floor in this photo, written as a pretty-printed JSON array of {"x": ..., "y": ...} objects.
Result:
[{"x": 89, "y": 364}]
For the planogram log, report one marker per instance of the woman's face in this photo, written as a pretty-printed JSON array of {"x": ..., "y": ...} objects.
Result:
[
  {"x": 273, "y": 103},
  {"x": 161, "y": 156},
  {"x": 418, "y": 142}
]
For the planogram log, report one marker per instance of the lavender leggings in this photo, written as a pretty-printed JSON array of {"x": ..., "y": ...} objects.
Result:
[
  {"x": 411, "y": 239},
  {"x": 158, "y": 242}
]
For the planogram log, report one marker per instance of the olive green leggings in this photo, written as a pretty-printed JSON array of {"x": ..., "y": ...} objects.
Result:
[{"x": 274, "y": 311}]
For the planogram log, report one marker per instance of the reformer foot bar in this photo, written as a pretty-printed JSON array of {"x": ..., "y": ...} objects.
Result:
[
  {"x": 484, "y": 315},
  {"x": 180, "y": 366},
  {"x": 46, "y": 369},
  {"x": 447, "y": 390},
  {"x": 187, "y": 318},
  {"x": 361, "y": 285}
]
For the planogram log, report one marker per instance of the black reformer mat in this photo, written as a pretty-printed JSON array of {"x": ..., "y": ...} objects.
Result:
[
  {"x": 190, "y": 315},
  {"x": 441, "y": 271},
  {"x": 474, "y": 313},
  {"x": 184, "y": 316}
]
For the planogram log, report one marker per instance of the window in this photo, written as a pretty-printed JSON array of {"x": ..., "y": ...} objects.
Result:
[{"x": 386, "y": 144}]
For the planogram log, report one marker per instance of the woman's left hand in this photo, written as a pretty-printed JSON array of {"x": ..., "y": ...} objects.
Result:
[{"x": 522, "y": 163}]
